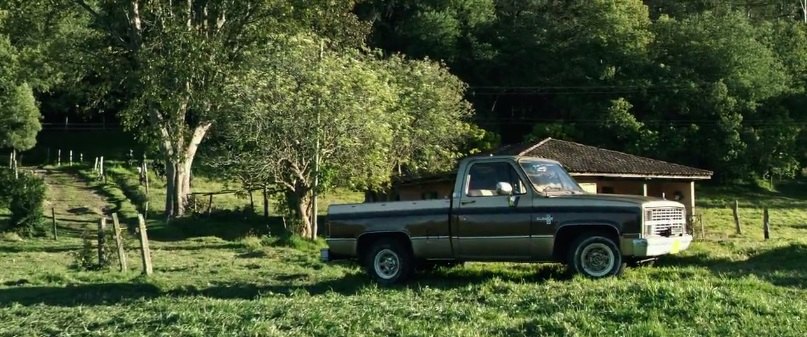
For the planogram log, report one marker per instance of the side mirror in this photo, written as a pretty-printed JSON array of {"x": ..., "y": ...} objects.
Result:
[{"x": 503, "y": 188}]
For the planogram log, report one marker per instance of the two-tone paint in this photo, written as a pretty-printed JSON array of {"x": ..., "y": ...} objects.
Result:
[{"x": 523, "y": 227}]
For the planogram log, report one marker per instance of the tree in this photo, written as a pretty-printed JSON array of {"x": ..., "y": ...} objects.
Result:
[
  {"x": 19, "y": 115},
  {"x": 294, "y": 105},
  {"x": 722, "y": 70},
  {"x": 430, "y": 115},
  {"x": 364, "y": 117},
  {"x": 173, "y": 59}
]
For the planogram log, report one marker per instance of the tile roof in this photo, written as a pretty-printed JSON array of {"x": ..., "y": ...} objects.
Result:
[{"x": 581, "y": 159}]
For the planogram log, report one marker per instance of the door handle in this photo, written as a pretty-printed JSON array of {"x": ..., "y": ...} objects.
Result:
[{"x": 467, "y": 202}]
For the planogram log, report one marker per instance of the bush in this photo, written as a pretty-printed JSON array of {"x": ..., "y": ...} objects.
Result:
[{"x": 23, "y": 196}]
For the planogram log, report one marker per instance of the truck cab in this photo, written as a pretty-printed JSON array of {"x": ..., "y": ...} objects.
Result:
[{"x": 507, "y": 208}]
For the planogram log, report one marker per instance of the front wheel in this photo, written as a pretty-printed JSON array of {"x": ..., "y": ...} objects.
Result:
[
  {"x": 389, "y": 262},
  {"x": 595, "y": 256}
]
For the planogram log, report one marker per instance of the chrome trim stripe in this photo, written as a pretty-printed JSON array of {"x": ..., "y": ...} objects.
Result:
[
  {"x": 503, "y": 237},
  {"x": 478, "y": 237},
  {"x": 430, "y": 237}
]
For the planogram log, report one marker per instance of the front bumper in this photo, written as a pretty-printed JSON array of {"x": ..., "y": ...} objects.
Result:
[{"x": 655, "y": 246}]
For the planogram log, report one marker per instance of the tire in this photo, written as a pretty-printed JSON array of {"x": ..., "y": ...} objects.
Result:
[
  {"x": 595, "y": 255},
  {"x": 389, "y": 262}
]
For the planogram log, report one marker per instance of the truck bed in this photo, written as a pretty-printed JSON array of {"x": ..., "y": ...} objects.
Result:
[{"x": 421, "y": 218}]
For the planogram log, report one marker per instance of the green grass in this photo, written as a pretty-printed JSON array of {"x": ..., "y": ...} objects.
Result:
[
  {"x": 787, "y": 211},
  {"x": 208, "y": 286},
  {"x": 725, "y": 285}
]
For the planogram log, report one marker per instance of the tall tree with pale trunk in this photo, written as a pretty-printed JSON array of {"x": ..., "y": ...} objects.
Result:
[{"x": 173, "y": 57}]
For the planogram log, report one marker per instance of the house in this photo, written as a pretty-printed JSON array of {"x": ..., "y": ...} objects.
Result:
[{"x": 597, "y": 170}]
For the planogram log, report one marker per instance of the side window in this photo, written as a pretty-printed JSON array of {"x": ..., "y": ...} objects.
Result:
[{"x": 483, "y": 177}]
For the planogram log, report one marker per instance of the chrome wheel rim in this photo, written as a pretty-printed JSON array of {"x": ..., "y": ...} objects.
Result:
[
  {"x": 597, "y": 259},
  {"x": 386, "y": 264}
]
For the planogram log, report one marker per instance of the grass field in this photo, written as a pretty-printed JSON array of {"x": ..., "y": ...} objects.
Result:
[{"x": 725, "y": 285}]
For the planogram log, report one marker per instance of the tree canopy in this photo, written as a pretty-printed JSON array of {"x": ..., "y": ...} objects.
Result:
[
  {"x": 19, "y": 114},
  {"x": 363, "y": 117},
  {"x": 659, "y": 77}
]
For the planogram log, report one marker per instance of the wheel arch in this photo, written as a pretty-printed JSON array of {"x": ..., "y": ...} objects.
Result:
[
  {"x": 567, "y": 233},
  {"x": 365, "y": 240}
]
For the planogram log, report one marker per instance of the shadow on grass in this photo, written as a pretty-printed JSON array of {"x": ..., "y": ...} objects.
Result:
[
  {"x": 226, "y": 224},
  {"x": 783, "y": 266},
  {"x": 350, "y": 284},
  {"x": 38, "y": 249}
]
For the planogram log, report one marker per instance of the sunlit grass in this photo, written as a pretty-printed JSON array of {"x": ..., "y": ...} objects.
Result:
[{"x": 253, "y": 284}]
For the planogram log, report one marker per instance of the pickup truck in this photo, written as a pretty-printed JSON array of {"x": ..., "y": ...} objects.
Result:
[{"x": 507, "y": 208}]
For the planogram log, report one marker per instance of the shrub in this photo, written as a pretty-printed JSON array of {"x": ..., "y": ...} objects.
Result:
[
  {"x": 10, "y": 237},
  {"x": 252, "y": 243},
  {"x": 23, "y": 196},
  {"x": 84, "y": 258}
]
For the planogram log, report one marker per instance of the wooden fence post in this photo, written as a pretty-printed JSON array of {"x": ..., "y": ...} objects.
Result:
[
  {"x": 70, "y": 157},
  {"x": 736, "y": 210},
  {"x": 144, "y": 245},
  {"x": 119, "y": 242},
  {"x": 95, "y": 166},
  {"x": 81, "y": 157},
  {"x": 59, "y": 157},
  {"x": 102, "y": 242},
  {"x": 210, "y": 205},
  {"x": 53, "y": 216},
  {"x": 766, "y": 224},
  {"x": 146, "y": 174},
  {"x": 101, "y": 169},
  {"x": 703, "y": 228}
]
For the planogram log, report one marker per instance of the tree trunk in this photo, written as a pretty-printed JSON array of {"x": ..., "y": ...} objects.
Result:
[
  {"x": 251, "y": 202},
  {"x": 265, "y": 203},
  {"x": 180, "y": 193},
  {"x": 178, "y": 171},
  {"x": 300, "y": 201},
  {"x": 303, "y": 208},
  {"x": 803, "y": 4},
  {"x": 170, "y": 178}
]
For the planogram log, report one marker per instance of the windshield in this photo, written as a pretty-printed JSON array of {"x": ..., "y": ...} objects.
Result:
[{"x": 549, "y": 177}]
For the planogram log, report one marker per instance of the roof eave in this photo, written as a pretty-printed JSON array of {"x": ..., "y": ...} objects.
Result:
[{"x": 644, "y": 176}]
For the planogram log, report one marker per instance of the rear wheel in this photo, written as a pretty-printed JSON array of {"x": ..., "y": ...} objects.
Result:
[
  {"x": 388, "y": 262},
  {"x": 595, "y": 255}
]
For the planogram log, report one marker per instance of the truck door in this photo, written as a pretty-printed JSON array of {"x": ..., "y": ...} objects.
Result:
[{"x": 493, "y": 225}]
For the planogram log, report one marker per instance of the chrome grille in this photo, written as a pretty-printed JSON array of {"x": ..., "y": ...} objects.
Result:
[
  {"x": 667, "y": 214},
  {"x": 668, "y": 229},
  {"x": 665, "y": 221}
]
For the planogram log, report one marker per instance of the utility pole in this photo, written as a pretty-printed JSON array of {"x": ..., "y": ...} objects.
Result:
[{"x": 315, "y": 193}]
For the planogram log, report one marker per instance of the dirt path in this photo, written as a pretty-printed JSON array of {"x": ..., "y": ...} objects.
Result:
[{"x": 76, "y": 204}]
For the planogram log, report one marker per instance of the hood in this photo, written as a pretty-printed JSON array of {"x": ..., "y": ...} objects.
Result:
[{"x": 616, "y": 199}]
